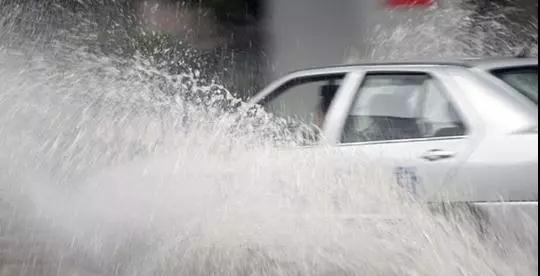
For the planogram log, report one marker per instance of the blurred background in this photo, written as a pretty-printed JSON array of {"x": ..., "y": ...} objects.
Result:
[
  {"x": 263, "y": 39},
  {"x": 246, "y": 43}
]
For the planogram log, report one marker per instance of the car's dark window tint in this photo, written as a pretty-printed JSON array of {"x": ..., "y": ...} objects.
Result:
[
  {"x": 523, "y": 79},
  {"x": 401, "y": 106},
  {"x": 304, "y": 102}
]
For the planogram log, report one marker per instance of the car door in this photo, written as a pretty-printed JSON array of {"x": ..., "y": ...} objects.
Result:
[{"x": 408, "y": 124}]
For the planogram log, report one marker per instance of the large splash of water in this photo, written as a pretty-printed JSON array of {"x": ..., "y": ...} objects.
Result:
[
  {"x": 110, "y": 165},
  {"x": 453, "y": 29}
]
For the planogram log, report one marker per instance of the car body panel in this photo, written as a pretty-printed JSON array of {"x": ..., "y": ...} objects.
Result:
[
  {"x": 495, "y": 162},
  {"x": 501, "y": 168},
  {"x": 424, "y": 179}
]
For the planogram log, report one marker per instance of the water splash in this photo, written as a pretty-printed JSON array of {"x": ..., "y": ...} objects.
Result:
[
  {"x": 110, "y": 165},
  {"x": 453, "y": 29}
]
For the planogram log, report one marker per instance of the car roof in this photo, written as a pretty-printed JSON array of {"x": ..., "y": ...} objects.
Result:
[
  {"x": 494, "y": 63},
  {"x": 481, "y": 63}
]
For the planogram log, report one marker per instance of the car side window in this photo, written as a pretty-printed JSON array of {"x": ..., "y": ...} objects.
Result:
[
  {"x": 392, "y": 107},
  {"x": 304, "y": 102}
]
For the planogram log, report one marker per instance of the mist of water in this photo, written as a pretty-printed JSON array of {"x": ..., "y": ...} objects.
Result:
[
  {"x": 451, "y": 30},
  {"x": 111, "y": 165}
]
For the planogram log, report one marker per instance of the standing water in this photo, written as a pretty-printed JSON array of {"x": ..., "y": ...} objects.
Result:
[{"x": 111, "y": 165}]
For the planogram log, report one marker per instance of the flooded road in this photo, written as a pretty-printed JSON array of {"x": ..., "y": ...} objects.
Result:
[{"x": 112, "y": 165}]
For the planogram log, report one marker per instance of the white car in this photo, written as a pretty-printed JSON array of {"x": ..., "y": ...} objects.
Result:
[{"x": 458, "y": 132}]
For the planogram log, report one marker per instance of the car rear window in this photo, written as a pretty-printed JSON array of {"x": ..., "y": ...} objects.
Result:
[{"x": 522, "y": 79}]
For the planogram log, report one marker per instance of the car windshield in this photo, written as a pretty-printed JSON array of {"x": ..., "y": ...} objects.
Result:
[{"x": 523, "y": 79}]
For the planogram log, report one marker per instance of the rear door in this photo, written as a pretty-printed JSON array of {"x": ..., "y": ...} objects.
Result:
[{"x": 408, "y": 123}]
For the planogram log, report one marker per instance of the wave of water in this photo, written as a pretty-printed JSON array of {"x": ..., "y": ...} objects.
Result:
[{"x": 110, "y": 165}]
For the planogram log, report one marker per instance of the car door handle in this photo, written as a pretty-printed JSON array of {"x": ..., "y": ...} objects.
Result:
[{"x": 437, "y": 155}]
